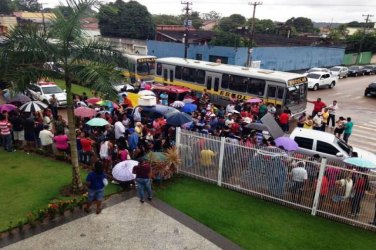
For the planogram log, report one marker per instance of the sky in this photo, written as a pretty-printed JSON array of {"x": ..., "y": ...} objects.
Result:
[{"x": 337, "y": 11}]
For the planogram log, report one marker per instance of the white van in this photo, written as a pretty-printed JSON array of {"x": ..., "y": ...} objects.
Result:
[{"x": 326, "y": 145}]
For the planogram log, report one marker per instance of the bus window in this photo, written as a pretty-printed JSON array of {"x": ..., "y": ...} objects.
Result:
[
  {"x": 165, "y": 74},
  {"x": 200, "y": 76},
  {"x": 189, "y": 74},
  {"x": 225, "y": 81},
  {"x": 159, "y": 69},
  {"x": 171, "y": 75},
  {"x": 178, "y": 72},
  {"x": 280, "y": 92},
  {"x": 216, "y": 84},
  {"x": 272, "y": 91},
  {"x": 208, "y": 82},
  {"x": 256, "y": 87},
  {"x": 239, "y": 84}
]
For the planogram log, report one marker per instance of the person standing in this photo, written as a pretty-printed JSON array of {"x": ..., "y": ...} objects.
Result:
[
  {"x": 5, "y": 131},
  {"x": 332, "y": 114},
  {"x": 284, "y": 120},
  {"x": 299, "y": 176},
  {"x": 53, "y": 106},
  {"x": 46, "y": 139},
  {"x": 318, "y": 106},
  {"x": 96, "y": 182},
  {"x": 164, "y": 98},
  {"x": 317, "y": 121},
  {"x": 325, "y": 119},
  {"x": 347, "y": 129},
  {"x": 143, "y": 180}
]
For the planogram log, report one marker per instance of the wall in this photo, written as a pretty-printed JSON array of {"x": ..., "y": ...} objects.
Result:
[
  {"x": 350, "y": 59},
  {"x": 128, "y": 46}
]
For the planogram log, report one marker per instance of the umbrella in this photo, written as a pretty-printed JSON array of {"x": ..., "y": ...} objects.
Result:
[
  {"x": 84, "y": 112},
  {"x": 7, "y": 107},
  {"x": 178, "y": 119},
  {"x": 165, "y": 110},
  {"x": 33, "y": 106},
  {"x": 189, "y": 107},
  {"x": 254, "y": 100},
  {"x": 108, "y": 103},
  {"x": 287, "y": 143},
  {"x": 21, "y": 98},
  {"x": 177, "y": 104},
  {"x": 123, "y": 170},
  {"x": 97, "y": 122},
  {"x": 93, "y": 100},
  {"x": 146, "y": 92},
  {"x": 188, "y": 100},
  {"x": 360, "y": 162}
]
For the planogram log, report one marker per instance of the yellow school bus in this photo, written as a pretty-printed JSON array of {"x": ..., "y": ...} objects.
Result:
[
  {"x": 224, "y": 81},
  {"x": 139, "y": 68}
]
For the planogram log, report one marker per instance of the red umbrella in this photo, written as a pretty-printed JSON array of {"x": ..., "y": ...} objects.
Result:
[
  {"x": 84, "y": 112},
  {"x": 93, "y": 100}
]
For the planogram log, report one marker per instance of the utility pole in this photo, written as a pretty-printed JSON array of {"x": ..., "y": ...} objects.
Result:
[
  {"x": 249, "y": 58},
  {"x": 364, "y": 35},
  {"x": 186, "y": 24}
]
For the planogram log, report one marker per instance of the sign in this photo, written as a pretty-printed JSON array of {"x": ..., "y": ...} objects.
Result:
[
  {"x": 146, "y": 60},
  {"x": 187, "y": 22},
  {"x": 296, "y": 81},
  {"x": 234, "y": 96}
]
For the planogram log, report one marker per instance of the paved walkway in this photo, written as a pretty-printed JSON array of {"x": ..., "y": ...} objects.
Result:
[{"x": 126, "y": 225}]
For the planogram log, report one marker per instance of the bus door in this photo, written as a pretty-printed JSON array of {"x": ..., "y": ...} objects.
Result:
[
  {"x": 168, "y": 73},
  {"x": 275, "y": 94},
  {"x": 212, "y": 81}
]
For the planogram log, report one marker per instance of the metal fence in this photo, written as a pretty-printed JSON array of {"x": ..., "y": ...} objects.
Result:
[{"x": 329, "y": 189}]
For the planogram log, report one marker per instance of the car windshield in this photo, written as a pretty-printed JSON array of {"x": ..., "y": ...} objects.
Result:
[
  {"x": 353, "y": 68},
  {"x": 313, "y": 76},
  {"x": 334, "y": 69},
  {"x": 145, "y": 68},
  {"x": 52, "y": 90},
  {"x": 344, "y": 146}
]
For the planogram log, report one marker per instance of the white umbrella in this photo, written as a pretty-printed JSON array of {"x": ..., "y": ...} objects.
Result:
[
  {"x": 33, "y": 106},
  {"x": 146, "y": 92},
  {"x": 123, "y": 170},
  {"x": 177, "y": 104}
]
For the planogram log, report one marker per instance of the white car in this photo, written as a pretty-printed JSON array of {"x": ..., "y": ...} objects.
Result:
[
  {"x": 339, "y": 71},
  {"x": 319, "y": 79},
  {"x": 42, "y": 91},
  {"x": 317, "y": 70}
]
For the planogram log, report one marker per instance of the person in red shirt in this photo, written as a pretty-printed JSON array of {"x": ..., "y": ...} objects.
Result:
[
  {"x": 5, "y": 131},
  {"x": 87, "y": 148},
  {"x": 318, "y": 106},
  {"x": 284, "y": 120}
]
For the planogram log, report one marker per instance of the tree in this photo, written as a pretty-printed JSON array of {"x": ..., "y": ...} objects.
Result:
[
  {"x": 301, "y": 24},
  {"x": 131, "y": 20},
  {"x": 264, "y": 26},
  {"x": 211, "y": 16},
  {"x": 223, "y": 38},
  {"x": 167, "y": 20},
  {"x": 26, "y": 49},
  {"x": 231, "y": 23},
  {"x": 6, "y": 7},
  {"x": 197, "y": 22},
  {"x": 27, "y": 5}
]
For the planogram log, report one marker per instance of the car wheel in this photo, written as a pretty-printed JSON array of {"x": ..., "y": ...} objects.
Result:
[
  {"x": 365, "y": 94},
  {"x": 316, "y": 87},
  {"x": 331, "y": 85}
]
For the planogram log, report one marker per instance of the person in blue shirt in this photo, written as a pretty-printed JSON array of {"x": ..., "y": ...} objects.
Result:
[
  {"x": 164, "y": 98},
  {"x": 132, "y": 141},
  {"x": 96, "y": 181},
  {"x": 348, "y": 129}
]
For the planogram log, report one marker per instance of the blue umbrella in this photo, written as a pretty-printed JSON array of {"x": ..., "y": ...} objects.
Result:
[
  {"x": 189, "y": 107},
  {"x": 178, "y": 119},
  {"x": 360, "y": 162}
]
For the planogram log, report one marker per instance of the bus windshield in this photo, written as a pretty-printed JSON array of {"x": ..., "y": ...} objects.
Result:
[
  {"x": 296, "y": 94},
  {"x": 145, "y": 68}
]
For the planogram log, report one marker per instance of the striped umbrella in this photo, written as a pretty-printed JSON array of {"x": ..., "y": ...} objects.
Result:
[
  {"x": 84, "y": 112},
  {"x": 33, "y": 106}
]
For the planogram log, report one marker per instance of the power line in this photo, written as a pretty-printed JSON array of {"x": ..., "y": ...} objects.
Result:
[
  {"x": 187, "y": 9},
  {"x": 249, "y": 58}
]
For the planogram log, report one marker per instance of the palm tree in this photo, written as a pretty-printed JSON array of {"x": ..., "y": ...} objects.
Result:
[{"x": 27, "y": 48}]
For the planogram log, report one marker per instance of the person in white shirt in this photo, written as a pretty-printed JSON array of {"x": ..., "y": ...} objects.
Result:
[
  {"x": 332, "y": 113},
  {"x": 299, "y": 176},
  {"x": 46, "y": 139},
  {"x": 317, "y": 121},
  {"x": 119, "y": 130}
]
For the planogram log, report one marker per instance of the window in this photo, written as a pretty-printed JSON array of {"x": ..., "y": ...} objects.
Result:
[
  {"x": 178, "y": 72},
  {"x": 171, "y": 75},
  {"x": 189, "y": 74},
  {"x": 304, "y": 142},
  {"x": 225, "y": 81},
  {"x": 326, "y": 148},
  {"x": 218, "y": 59},
  {"x": 165, "y": 74},
  {"x": 256, "y": 87},
  {"x": 216, "y": 84},
  {"x": 271, "y": 91},
  {"x": 280, "y": 92},
  {"x": 200, "y": 76},
  {"x": 209, "y": 82},
  {"x": 199, "y": 57},
  {"x": 159, "y": 69},
  {"x": 239, "y": 83}
]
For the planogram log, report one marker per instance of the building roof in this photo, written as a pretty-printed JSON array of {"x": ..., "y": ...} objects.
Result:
[{"x": 193, "y": 36}]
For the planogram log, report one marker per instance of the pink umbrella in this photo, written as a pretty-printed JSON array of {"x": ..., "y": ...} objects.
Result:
[
  {"x": 7, "y": 107},
  {"x": 84, "y": 112},
  {"x": 254, "y": 100},
  {"x": 93, "y": 100}
]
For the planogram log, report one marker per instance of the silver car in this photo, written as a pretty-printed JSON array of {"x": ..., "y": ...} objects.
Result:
[{"x": 339, "y": 71}]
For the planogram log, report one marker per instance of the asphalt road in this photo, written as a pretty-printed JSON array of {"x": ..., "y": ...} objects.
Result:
[{"x": 349, "y": 94}]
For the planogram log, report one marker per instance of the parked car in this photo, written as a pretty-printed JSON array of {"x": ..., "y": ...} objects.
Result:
[
  {"x": 42, "y": 91},
  {"x": 356, "y": 71},
  {"x": 312, "y": 142},
  {"x": 371, "y": 89},
  {"x": 339, "y": 71},
  {"x": 370, "y": 69},
  {"x": 319, "y": 79},
  {"x": 317, "y": 70}
]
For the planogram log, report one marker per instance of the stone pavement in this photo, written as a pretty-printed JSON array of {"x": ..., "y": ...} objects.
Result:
[{"x": 128, "y": 225}]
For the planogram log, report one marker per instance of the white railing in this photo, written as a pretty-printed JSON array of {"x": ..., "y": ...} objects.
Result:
[{"x": 332, "y": 190}]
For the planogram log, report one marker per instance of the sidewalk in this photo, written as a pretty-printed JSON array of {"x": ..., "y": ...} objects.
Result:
[{"x": 127, "y": 225}]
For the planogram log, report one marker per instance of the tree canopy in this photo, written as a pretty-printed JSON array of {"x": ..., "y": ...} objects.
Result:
[
  {"x": 27, "y": 5},
  {"x": 231, "y": 23},
  {"x": 6, "y": 7},
  {"x": 130, "y": 19},
  {"x": 167, "y": 20},
  {"x": 301, "y": 24}
]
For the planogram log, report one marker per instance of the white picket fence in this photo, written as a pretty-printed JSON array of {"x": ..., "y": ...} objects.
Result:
[{"x": 267, "y": 173}]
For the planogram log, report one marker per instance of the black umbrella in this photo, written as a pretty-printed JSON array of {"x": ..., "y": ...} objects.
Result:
[
  {"x": 178, "y": 119},
  {"x": 33, "y": 106}
]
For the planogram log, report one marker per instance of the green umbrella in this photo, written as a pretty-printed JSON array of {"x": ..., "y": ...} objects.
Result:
[{"x": 97, "y": 122}]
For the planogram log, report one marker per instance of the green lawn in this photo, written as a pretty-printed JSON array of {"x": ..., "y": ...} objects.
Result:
[
  {"x": 76, "y": 89},
  {"x": 30, "y": 182},
  {"x": 256, "y": 224}
]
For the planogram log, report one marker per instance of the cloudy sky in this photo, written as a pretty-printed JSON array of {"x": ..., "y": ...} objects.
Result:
[{"x": 277, "y": 10}]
